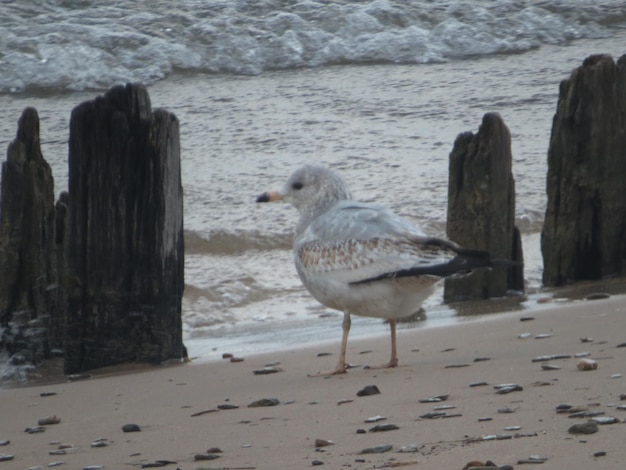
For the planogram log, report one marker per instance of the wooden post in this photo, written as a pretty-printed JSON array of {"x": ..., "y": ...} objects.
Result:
[{"x": 481, "y": 210}]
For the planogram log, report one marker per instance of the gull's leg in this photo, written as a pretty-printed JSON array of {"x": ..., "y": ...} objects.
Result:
[
  {"x": 393, "y": 362},
  {"x": 341, "y": 365},
  {"x": 394, "y": 350}
]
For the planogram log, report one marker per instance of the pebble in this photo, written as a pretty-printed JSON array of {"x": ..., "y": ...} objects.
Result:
[
  {"x": 267, "y": 370},
  {"x": 584, "y": 428},
  {"x": 384, "y": 428},
  {"x": 524, "y": 335},
  {"x": 99, "y": 443},
  {"x": 512, "y": 428},
  {"x": 75, "y": 377},
  {"x": 586, "y": 339},
  {"x": 5, "y": 443},
  {"x": 34, "y": 429},
  {"x": 377, "y": 450},
  {"x": 526, "y": 318},
  {"x": 508, "y": 388},
  {"x": 131, "y": 428},
  {"x": 550, "y": 367},
  {"x": 375, "y": 419},
  {"x": 47, "y": 394},
  {"x": 533, "y": 459},
  {"x": 206, "y": 457},
  {"x": 508, "y": 409},
  {"x": 435, "y": 399},
  {"x": 344, "y": 401},
  {"x": 408, "y": 449},
  {"x": 585, "y": 414},
  {"x": 93, "y": 467},
  {"x": 485, "y": 418},
  {"x": 543, "y": 335},
  {"x": 227, "y": 355},
  {"x": 56, "y": 463},
  {"x": 264, "y": 402},
  {"x": 157, "y": 464},
  {"x": 551, "y": 357},
  {"x": 324, "y": 354},
  {"x": 582, "y": 354},
  {"x": 564, "y": 408},
  {"x": 616, "y": 376},
  {"x": 599, "y": 454},
  {"x": 317, "y": 462},
  {"x": 587, "y": 364},
  {"x": 5, "y": 457},
  {"x": 48, "y": 420},
  {"x": 605, "y": 420},
  {"x": 482, "y": 359},
  {"x": 227, "y": 406},
  {"x": 368, "y": 390},
  {"x": 323, "y": 443},
  {"x": 236, "y": 359},
  {"x": 444, "y": 407},
  {"x": 478, "y": 384},
  {"x": 456, "y": 366}
]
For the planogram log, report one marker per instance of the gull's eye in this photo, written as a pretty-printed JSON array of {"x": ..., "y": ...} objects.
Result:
[{"x": 297, "y": 185}]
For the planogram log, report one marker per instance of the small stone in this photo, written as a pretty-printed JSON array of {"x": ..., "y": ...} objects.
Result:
[
  {"x": 582, "y": 354},
  {"x": 512, "y": 428},
  {"x": 526, "y": 318},
  {"x": 206, "y": 457},
  {"x": 34, "y": 429},
  {"x": 377, "y": 450},
  {"x": 616, "y": 376},
  {"x": 315, "y": 463},
  {"x": 456, "y": 366},
  {"x": 48, "y": 420},
  {"x": 524, "y": 335},
  {"x": 564, "y": 408},
  {"x": 508, "y": 409},
  {"x": 551, "y": 358},
  {"x": 344, "y": 401},
  {"x": 76, "y": 377},
  {"x": 361, "y": 431},
  {"x": 408, "y": 449},
  {"x": 93, "y": 467},
  {"x": 586, "y": 340},
  {"x": 227, "y": 406},
  {"x": 433, "y": 415},
  {"x": 323, "y": 443},
  {"x": 131, "y": 428},
  {"x": 375, "y": 419},
  {"x": 267, "y": 370},
  {"x": 214, "y": 450},
  {"x": 605, "y": 420},
  {"x": 157, "y": 464},
  {"x": 508, "y": 388},
  {"x": 368, "y": 390},
  {"x": 226, "y": 355},
  {"x": 478, "y": 384},
  {"x": 599, "y": 454},
  {"x": 583, "y": 428},
  {"x": 264, "y": 402},
  {"x": 482, "y": 359},
  {"x": 236, "y": 359},
  {"x": 384, "y": 427},
  {"x": 543, "y": 336},
  {"x": 484, "y": 418},
  {"x": 47, "y": 394},
  {"x": 587, "y": 364},
  {"x": 5, "y": 442},
  {"x": 324, "y": 354},
  {"x": 435, "y": 399},
  {"x": 99, "y": 443},
  {"x": 550, "y": 367},
  {"x": 6, "y": 457}
]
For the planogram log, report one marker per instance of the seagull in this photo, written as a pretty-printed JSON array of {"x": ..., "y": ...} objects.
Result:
[{"x": 363, "y": 259}]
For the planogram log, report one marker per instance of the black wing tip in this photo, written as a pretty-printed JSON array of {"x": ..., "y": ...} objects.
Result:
[{"x": 265, "y": 197}]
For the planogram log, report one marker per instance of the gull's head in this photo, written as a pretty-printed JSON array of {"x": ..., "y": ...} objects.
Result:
[{"x": 310, "y": 187}]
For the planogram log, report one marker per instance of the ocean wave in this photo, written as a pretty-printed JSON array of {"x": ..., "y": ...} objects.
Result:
[
  {"x": 225, "y": 242},
  {"x": 78, "y": 45}
]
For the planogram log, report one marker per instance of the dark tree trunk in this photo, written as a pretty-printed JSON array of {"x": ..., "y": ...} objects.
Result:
[
  {"x": 584, "y": 233},
  {"x": 481, "y": 210},
  {"x": 125, "y": 233}
]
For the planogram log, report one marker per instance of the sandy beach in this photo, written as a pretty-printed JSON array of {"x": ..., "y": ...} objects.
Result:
[{"x": 201, "y": 409}]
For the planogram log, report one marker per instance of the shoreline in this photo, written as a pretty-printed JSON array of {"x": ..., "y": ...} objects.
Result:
[{"x": 190, "y": 411}]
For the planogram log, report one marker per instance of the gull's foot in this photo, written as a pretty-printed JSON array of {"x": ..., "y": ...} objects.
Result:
[
  {"x": 340, "y": 369},
  {"x": 388, "y": 365}
]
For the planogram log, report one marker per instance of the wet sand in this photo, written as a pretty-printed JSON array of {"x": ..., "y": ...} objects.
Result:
[{"x": 182, "y": 411}]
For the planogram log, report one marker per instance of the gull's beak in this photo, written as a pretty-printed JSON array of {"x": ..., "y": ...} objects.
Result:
[{"x": 271, "y": 196}]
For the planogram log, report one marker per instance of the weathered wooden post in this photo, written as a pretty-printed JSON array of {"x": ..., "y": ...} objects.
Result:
[
  {"x": 125, "y": 233},
  {"x": 481, "y": 210},
  {"x": 28, "y": 263},
  {"x": 584, "y": 232}
]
